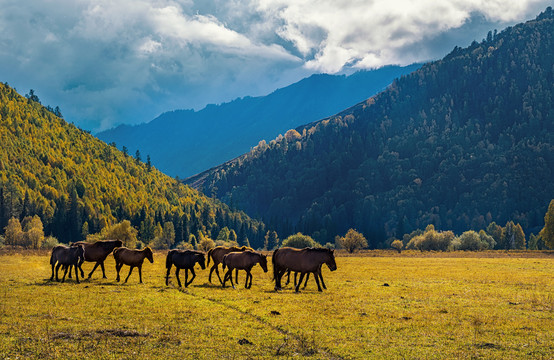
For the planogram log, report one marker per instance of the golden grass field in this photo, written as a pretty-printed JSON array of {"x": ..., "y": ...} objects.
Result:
[{"x": 379, "y": 305}]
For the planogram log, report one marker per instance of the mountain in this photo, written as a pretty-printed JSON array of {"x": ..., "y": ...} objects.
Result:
[
  {"x": 185, "y": 142},
  {"x": 459, "y": 143},
  {"x": 77, "y": 184}
]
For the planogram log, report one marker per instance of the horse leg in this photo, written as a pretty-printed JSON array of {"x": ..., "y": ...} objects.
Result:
[
  {"x": 64, "y": 273},
  {"x": 186, "y": 277},
  {"x": 140, "y": 273},
  {"x": 211, "y": 271},
  {"x": 94, "y": 268},
  {"x": 295, "y": 282},
  {"x": 321, "y": 278},
  {"x": 177, "y": 275},
  {"x": 69, "y": 273},
  {"x": 103, "y": 271},
  {"x": 118, "y": 268},
  {"x": 306, "y": 282},
  {"x": 219, "y": 277},
  {"x": 192, "y": 278},
  {"x": 247, "y": 277},
  {"x": 237, "y": 276},
  {"x": 167, "y": 276},
  {"x": 76, "y": 273},
  {"x": 52, "y": 277},
  {"x": 317, "y": 281},
  {"x": 130, "y": 271},
  {"x": 299, "y": 282},
  {"x": 288, "y": 278},
  {"x": 57, "y": 269},
  {"x": 278, "y": 279},
  {"x": 81, "y": 268}
]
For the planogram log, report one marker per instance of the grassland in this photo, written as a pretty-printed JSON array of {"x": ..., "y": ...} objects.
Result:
[{"x": 378, "y": 305}]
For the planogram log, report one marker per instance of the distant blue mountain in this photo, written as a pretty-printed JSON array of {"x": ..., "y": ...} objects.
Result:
[{"x": 185, "y": 142}]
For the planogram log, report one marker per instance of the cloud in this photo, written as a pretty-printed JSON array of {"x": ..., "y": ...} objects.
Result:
[{"x": 107, "y": 62}]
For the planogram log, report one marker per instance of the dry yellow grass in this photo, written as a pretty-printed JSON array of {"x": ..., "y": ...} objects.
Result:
[{"x": 378, "y": 305}]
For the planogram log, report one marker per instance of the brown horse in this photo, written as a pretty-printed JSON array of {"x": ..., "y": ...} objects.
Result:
[
  {"x": 304, "y": 261},
  {"x": 68, "y": 257},
  {"x": 217, "y": 254},
  {"x": 243, "y": 260},
  {"x": 184, "y": 259},
  {"x": 97, "y": 252},
  {"x": 133, "y": 258}
]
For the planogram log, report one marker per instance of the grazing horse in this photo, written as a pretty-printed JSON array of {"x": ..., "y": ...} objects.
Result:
[
  {"x": 304, "y": 261},
  {"x": 97, "y": 252},
  {"x": 307, "y": 277},
  {"x": 217, "y": 254},
  {"x": 133, "y": 258},
  {"x": 243, "y": 260},
  {"x": 184, "y": 259},
  {"x": 68, "y": 257}
]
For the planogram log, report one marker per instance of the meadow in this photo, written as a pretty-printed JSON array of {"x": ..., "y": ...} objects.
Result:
[{"x": 379, "y": 304}]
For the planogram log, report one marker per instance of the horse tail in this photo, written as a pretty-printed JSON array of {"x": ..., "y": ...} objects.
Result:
[
  {"x": 209, "y": 256},
  {"x": 275, "y": 267},
  {"x": 168, "y": 261},
  {"x": 223, "y": 262}
]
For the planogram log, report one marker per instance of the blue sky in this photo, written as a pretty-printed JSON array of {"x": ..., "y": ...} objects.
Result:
[{"x": 108, "y": 62}]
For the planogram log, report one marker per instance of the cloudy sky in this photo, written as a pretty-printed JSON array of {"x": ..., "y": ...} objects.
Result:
[{"x": 106, "y": 62}]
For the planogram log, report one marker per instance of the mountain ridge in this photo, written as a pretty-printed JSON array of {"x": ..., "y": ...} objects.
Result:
[{"x": 186, "y": 142}]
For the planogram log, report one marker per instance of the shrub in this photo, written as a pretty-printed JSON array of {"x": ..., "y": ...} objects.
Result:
[
  {"x": 184, "y": 246},
  {"x": 352, "y": 241},
  {"x": 432, "y": 240},
  {"x": 398, "y": 245},
  {"x": 329, "y": 245},
  {"x": 300, "y": 241},
  {"x": 206, "y": 244},
  {"x": 50, "y": 242}
]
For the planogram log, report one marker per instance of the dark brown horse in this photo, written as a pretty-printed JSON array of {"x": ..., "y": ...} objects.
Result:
[
  {"x": 97, "y": 252},
  {"x": 184, "y": 259},
  {"x": 304, "y": 261},
  {"x": 217, "y": 254},
  {"x": 243, "y": 260},
  {"x": 133, "y": 258},
  {"x": 68, "y": 257}
]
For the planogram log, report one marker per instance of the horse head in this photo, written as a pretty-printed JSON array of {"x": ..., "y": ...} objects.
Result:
[
  {"x": 202, "y": 260},
  {"x": 118, "y": 243},
  {"x": 148, "y": 253},
  {"x": 80, "y": 252},
  {"x": 331, "y": 260},
  {"x": 263, "y": 262}
]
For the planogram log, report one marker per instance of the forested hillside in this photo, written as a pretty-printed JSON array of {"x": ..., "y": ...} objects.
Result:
[
  {"x": 185, "y": 142},
  {"x": 77, "y": 184},
  {"x": 459, "y": 143}
]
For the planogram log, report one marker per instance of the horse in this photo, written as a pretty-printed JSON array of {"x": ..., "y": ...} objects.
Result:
[
  {"x": 304, "y": 261},
  {"x": 217, "y": 253},
  {"x": 133, "y": 258},
  {"x": 68, "y": 257},
  {"x": 243, "y": 260},
  {"x": 184, "y": 259},
  {"x": 97, "y": 252},
  {"x": 307, "y": 277}
]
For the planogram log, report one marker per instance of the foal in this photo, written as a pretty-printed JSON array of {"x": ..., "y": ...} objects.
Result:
[
  {"x": 243, "y": 261},
  {"x": 133, "y": 258}
]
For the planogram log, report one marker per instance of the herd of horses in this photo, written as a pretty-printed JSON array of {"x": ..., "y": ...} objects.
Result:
[{"x": 285, "y": 260}]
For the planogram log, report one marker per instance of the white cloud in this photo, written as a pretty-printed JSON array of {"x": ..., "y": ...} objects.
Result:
[{"x": 106, "y": 62}]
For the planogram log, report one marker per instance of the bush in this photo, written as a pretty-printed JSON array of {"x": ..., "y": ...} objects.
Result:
[
  {"x": 329, "y": 246},
  {"x": 50, "y": 242},
  {"x": 184, "y": 246},
  {"x": 206, "y": 244},
  {"x": 398, "y": 245},
  {"x": 352, "y": 241},
  {"x": 300, "y": 241},
  {"x": 470, "y": 240},
  {"x": 432, "y": 240}
]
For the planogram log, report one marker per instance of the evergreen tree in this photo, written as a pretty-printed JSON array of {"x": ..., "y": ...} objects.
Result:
[{"x": 547, "y": 232}]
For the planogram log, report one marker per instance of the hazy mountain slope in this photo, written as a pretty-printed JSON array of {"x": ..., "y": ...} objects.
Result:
[
  {"x": 77, "y": 183},
  {"x": 185, "y": 142},
  {"x": 459, "y": 143}
]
